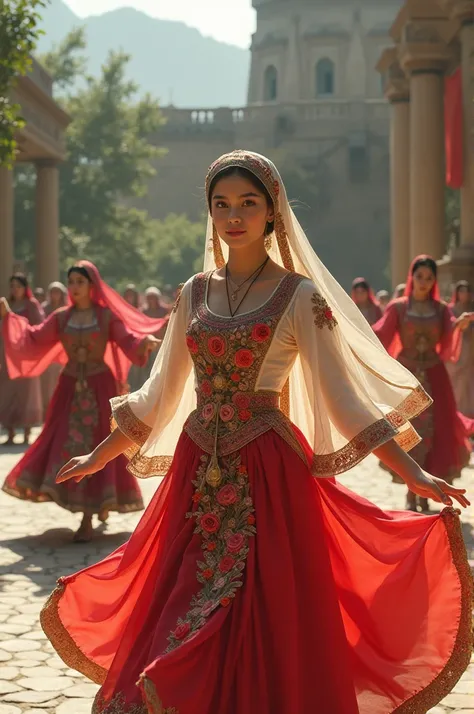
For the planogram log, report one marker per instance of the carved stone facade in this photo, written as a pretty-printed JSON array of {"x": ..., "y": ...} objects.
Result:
[
  {"x": 42, "y": 143},
  {"x": 432, "y": 39},
  {"x": 315, "y": 102}
]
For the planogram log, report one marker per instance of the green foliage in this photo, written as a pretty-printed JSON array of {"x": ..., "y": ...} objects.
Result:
[
  {"x": 18, "y": 36},
  {"x": 109, "y": 161}
]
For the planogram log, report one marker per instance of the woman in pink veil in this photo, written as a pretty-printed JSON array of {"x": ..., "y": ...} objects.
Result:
[
  {"x": 21, "y": 404},
  {"x": 421, "y": 332},
  {"x": 96, "y": 338},
  {"x": 364, "y": 298}
]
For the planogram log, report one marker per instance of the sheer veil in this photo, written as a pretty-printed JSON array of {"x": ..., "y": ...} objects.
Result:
[{"x": 394, "y": 392}]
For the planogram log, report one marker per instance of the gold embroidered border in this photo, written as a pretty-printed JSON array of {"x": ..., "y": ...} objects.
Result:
[
  {"x": 230, "y": 442},
  {"x": 117, "y": 706},
  {"x": 62, "y": 641},
  {"x": 128, "y": 423},
  {"x": 148, "y": 466},
  {"x": 327, "y": 465},
  {"x": 461, "y": 652},
  {"x": 152, "y": 699}
]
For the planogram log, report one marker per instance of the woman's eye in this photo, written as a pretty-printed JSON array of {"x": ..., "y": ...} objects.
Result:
[
  {"x": 248, "y": 202},
  {"x": 220, "y": 204}
]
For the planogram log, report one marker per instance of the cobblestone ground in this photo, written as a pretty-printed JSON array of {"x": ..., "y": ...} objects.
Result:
[{"x": 36, "y": 548}]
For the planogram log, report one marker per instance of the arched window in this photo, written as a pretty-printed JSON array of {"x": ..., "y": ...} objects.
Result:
[
  {"x": 271, "y": 84},
  {"x": 324, "y": 77}
]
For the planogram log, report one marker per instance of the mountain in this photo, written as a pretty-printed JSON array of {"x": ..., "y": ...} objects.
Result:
[{"x": 172, "y": 61}]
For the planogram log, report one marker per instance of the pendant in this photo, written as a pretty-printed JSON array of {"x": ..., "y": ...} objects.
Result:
[
  {"x": 233, "y": 297},
  {"x": 213, "y": 474}
]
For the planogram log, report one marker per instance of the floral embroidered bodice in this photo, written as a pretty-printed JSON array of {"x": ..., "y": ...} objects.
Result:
[
  {"x": 84, "y": 344},
  {"x": 420, "y": 337},
  {"x": 228, "y": 355}
]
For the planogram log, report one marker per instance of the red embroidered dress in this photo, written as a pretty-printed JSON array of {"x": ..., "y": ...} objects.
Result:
[{"x": 250, "y": 586}]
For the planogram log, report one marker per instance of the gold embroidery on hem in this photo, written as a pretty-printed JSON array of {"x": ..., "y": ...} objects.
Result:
[
  {"x": 148, "y": 466},
  {"x": 117, "y": 705},
  {"x": 62, "y": 641},
  {"x": 327, "y": 465},
  {"x": 150, "y": 695},
  {"x": 461, "y": 652},
  {"x": 128, "y": 423}
]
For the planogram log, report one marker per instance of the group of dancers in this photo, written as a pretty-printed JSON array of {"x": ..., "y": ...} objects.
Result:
[{"x": 254, "y": 583}]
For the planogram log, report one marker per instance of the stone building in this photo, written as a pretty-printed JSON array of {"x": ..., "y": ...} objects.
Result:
[
  {"x": 431, "y": 39},
  {"x": 41, "y": 142},
  {"x": 316, "y": 106}
]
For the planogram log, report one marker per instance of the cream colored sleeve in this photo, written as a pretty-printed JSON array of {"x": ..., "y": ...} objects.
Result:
[
  {"x": 347, "y": 424},
  {"x": 153, "y": 406}
]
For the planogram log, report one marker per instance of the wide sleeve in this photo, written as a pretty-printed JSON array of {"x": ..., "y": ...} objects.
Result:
[
  {"x": 126, "y": 340},
  {"x": 29, "y": 349},
  {"x": 450, "y": 345},
  {"x": 149, "y": 410},
  {"x": 347, "y": 424},
  {"x": 386, "y": 328}
]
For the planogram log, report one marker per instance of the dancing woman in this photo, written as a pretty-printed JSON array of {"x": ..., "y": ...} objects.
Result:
[
  {"x": 364, "y": 297},
  {"x": 96, "y": 337},
  {"x": 21, "y": 404},
  {"x": 420, "y": 331},
  {"x": 461, "y": 368},
  {"x": 254, "y": 583}
]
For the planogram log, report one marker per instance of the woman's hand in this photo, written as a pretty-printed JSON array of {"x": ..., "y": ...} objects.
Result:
[
  {"x": 4, "y": 308},
  {"x": 149, "y": 344},
  {"x": 427, "y": 486},
  {"x": 79, "y": 467},
  {"x": 465, "y": 320}
]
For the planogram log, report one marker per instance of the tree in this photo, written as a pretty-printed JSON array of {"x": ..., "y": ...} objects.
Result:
[
  {"x": 109, "y": 161},
  {"x": 18, "y": 35}
]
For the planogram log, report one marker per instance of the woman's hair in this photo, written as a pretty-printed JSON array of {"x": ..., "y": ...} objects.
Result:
[
  {"x": 461, "y": 284},
  {"x": 425, "y": 262},
  {"x": 361, "y": 283},
  {"x": 79, "y": 269},
  {"x": 20, "y": 278},
  {"x": 249, "y": 176}
]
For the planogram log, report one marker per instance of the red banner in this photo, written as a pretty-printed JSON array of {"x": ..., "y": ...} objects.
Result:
[{"x": 453, "y": 128}]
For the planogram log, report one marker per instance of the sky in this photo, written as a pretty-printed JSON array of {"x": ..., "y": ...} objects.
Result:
[{"x": 212, "y": 17}]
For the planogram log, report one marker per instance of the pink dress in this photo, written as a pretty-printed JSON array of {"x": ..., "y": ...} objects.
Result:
[
  {"x": 21, "y": 403},
  {"x": 78, "y": 419}
]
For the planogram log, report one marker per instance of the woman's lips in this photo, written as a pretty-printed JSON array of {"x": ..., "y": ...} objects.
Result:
[{"x": 235, "y": 234}]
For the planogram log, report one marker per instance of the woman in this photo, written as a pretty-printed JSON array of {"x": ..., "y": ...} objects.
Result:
[
  {"x": 96, "y": 337},
  {"x": 461, "y": 370},
  {"x": 363, "y": 296},
  {"x": 20, "y": 399},
  {"x": 132, "y": 296},
  {"x": 420, "y": 331},
  {"x": 399, "y": 291},
  {"x": 138, "y": 375},
  {"x": 57, "y": 297},
  {"x": 383, "y": 298},
  {"x": 254, "y": 583}
]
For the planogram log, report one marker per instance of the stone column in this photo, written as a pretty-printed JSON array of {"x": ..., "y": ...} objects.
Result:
[
  {"x": 424, "y": 56},
  {"x": 47, "y": 223},
  {"x": 6, "y": 228},
  {"x": 397, "y": 92}
]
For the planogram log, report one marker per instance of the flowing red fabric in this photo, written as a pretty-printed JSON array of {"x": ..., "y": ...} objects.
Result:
[
  {"x": 33, "y": 357},
  {"x": 316, "y": 625},
  {"x": 453, "y": 123}
]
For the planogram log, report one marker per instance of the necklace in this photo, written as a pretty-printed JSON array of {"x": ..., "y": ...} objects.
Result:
[
  {"x": 237, "y": 288},
  {"x": 256, "y": 274}
]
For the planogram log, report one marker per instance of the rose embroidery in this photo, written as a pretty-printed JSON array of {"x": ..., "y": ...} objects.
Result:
[
  {"x": 235, "y": 377},
  {"x": 226, "y": 564},
  {"x": 192, "y": 345},
  {"x": 208, "y": 411},
  {"x": 206, "y": 388},
  {"x": 261, "y": 333},
  {"x": 216, "y": 346},
  {"x": 226, "y": 412},
  {"x": 245, "y": 415},
  {"x": 241, "y": 401},
  {"x": 323, "y": 315},
  {"x": 244, "y": 358},
  {"x": 210, "y": 523},
  {"x": 227, "y": 495},
  {"x": 235, "y": 542},
  {"x": 182, "y": 631}
]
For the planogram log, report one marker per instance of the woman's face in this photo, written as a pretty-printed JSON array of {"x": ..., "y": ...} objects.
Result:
[
  {"x": 55, "y": 296},
  {"x": 152, "y": 302},
  {"x": 240, "y": 212},
  {"x": 17, "y": 290},
  {"x": 131, "y": 297},
  {"x": 464, "y": 295},
  {"x": 361, "y": 295},
  {"x": 423, "y": 281},
  {"x": 79, "y": 287}
]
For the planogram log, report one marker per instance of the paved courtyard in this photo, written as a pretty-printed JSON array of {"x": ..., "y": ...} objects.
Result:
[{"x": 36, "y": 548}]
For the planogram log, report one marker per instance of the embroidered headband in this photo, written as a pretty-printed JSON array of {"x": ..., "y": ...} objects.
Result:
[{"x": 245, "y": 160}]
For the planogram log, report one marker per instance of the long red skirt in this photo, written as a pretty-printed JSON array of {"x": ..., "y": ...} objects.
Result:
[
  {"x": 272, "y": 593},
  {"x": 75, "y": 424}
]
